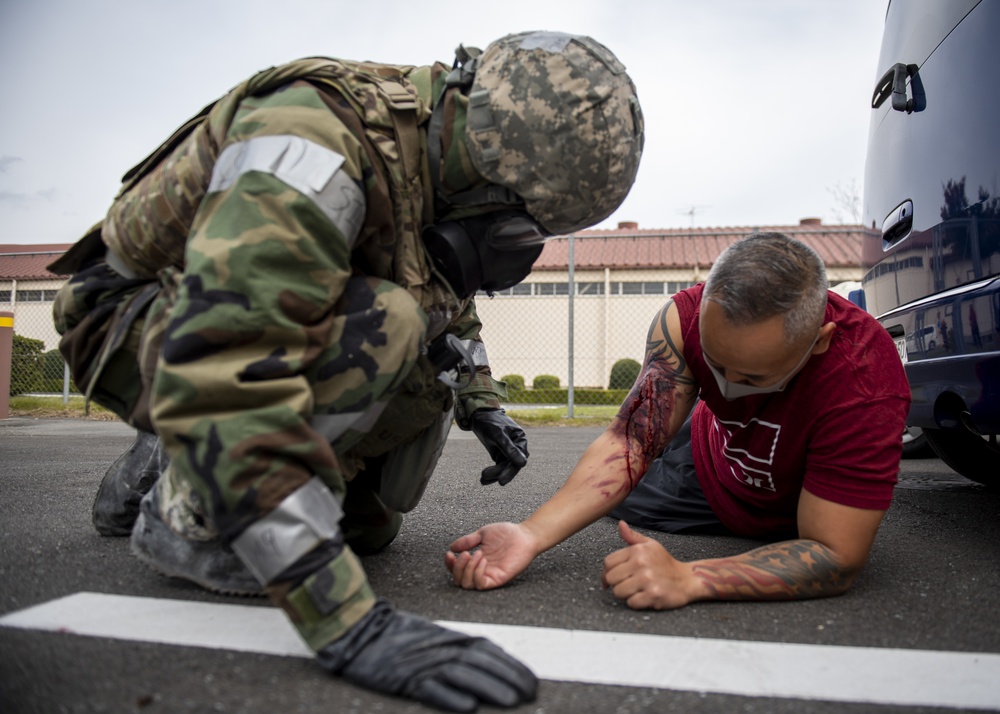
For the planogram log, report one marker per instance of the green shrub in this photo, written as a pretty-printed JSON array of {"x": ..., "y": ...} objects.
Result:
[
  {"x": 53, "y": 365},
  {"x": 545, "y": 381},
  {"x": 624, "y": 373},
  {"x": 514, "y": 382},
  {"x": 25, "y": 365},
  {"x": 53, "y": 373},
  {"x": 581, "y": 395}
]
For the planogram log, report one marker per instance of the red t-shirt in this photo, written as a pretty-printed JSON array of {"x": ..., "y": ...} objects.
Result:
[{"x": 836, "y": 430}]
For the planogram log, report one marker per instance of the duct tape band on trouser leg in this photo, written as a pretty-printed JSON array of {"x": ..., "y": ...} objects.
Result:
[{"x": 306, "y": 518}]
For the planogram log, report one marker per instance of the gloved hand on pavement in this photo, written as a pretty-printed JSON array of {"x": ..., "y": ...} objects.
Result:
[
  {"x": 399, "y": 653},
  {"x": 505, "y": 441}
]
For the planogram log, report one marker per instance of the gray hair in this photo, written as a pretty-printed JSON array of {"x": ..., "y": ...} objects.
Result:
[{"x": 768, "y": 274}]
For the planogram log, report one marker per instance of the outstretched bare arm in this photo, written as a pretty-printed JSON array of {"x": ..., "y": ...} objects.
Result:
[{"x": 609, "y": 469}]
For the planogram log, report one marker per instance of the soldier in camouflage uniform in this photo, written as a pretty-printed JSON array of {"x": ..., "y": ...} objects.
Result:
[{"x": 282, "y": 294}]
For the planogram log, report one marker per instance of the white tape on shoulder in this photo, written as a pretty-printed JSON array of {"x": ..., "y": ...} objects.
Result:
[{"x": 313, "y": 170}]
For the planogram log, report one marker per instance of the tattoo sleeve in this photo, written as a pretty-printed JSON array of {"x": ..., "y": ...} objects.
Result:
[
  {"x": 791, "y": 570},
  {"x": 644, "y": 418}
]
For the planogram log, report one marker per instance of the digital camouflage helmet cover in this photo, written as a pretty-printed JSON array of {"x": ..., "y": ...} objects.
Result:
[{"x": 555, "y": 119}]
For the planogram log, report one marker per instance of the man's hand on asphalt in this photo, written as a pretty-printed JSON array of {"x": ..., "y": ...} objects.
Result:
[
  {"x": 645, "y": 575},
  {"x": 502, "y": 551}
]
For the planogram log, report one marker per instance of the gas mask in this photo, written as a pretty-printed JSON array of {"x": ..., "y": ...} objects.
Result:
[{"x": 492, "y": 251}]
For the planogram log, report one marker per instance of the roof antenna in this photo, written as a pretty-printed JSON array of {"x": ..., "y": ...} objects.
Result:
[{"x": 691, "y": 211}]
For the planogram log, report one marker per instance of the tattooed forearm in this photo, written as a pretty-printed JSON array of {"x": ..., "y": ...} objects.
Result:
[
  {"x": 792, "y": 570},
  {"x": 644, "y": 418}
]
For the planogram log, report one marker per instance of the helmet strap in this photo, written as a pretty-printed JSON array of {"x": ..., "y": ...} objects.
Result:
[
  {"x": 490, "y": 195},
  {"x": 463, "y": 72}
]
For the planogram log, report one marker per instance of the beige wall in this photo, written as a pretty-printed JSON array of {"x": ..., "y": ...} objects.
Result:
[
  {"x": 32, "y": 318},
  {"x": 529, "y": 334},
  {"x": 526, "y": 335}
]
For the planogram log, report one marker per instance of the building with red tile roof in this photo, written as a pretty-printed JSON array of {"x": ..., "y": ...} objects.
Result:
[
  {"x": 628, "y": 247},
  {"x": 27, "y": 289},
  {"x": 621, "y": 278},
  {"x": 27, "y": 262}
]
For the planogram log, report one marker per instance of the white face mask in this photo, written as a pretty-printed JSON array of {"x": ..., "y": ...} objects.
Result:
[{"x": 735, "y": 390}]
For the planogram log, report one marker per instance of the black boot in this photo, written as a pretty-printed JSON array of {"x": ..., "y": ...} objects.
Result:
[
  {"x": 130, "y": 477},
  {"x": 210, "y": 563}
]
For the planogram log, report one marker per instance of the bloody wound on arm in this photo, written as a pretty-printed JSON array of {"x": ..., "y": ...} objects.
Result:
[{"x": 644, "y": 419}]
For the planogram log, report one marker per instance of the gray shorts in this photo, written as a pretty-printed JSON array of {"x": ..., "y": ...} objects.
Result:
[{"x": 669, "y": 497}]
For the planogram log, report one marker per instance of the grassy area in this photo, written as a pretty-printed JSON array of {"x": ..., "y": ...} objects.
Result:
[
  {"x": 48, "y": 407},
  {"x": 557, "y": 416}
]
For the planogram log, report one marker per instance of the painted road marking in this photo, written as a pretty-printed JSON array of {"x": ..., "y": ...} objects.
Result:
[{"x": 961, "y": 680}]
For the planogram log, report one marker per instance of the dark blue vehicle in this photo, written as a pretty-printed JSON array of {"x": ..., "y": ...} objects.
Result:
[{"x": 932, "y": 201}]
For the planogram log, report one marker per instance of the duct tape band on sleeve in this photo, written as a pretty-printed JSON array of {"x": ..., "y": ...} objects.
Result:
[
  {"x": 311, "y": 169},
  {"x": 306, "y": 518},
  {"x": 477, "y": 351},
  {"x": 118, "y": 265}
]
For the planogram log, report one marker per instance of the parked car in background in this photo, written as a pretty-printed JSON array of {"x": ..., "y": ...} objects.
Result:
[
  {"x": 923, "y": 339},
  {"x": 932, "y": 201}
]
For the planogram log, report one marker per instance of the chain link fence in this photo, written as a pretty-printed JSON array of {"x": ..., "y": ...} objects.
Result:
[
  {"x": 555, "y": 340},
  {"x": 571, "y": 342},
  {"x": 36, "y": 366},
  {"x": 569, "y": 335}
]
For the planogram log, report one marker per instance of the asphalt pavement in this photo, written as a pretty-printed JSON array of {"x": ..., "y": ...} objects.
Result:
[{"x": 924, "y": 608}]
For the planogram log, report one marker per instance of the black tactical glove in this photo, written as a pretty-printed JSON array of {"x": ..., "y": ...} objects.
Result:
[
  {"x": 400, "y": 653},
  {"x": 504, "y": 440}
]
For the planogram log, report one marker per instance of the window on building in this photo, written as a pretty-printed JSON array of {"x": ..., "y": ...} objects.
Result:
[
  {"x": 590, "y": 288},
  {"x": 675, "y": 286},
  {"x": 516, "y": 290},
  {"x": 637, "y": 288},
  {"x": 4, "y": 295},
  {"x": 551, "y": 288},
  {"x": 32, "y": 295}
]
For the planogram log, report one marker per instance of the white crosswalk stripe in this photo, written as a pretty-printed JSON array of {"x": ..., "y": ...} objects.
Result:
[{"x": 959, "y": 680}]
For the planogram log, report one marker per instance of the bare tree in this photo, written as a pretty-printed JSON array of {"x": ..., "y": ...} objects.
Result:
[{"x": 846, "y": 203}]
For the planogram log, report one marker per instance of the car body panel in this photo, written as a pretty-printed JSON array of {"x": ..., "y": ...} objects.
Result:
[{"x": 931, "y": 258}]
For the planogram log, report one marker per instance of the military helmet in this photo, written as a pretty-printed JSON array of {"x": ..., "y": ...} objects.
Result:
[{"x": 553, "y": 118}]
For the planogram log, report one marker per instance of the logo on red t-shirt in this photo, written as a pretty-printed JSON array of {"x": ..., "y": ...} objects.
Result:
[{"x": 749, "y": 450}]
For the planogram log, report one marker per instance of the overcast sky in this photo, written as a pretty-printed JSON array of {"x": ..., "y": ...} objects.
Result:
[{"x": 756, "y": 110}]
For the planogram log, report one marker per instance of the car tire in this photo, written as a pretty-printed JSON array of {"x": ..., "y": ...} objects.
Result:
[
  {"x": 915, "y": 444},
  {"x": 971, "y": 455}
]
